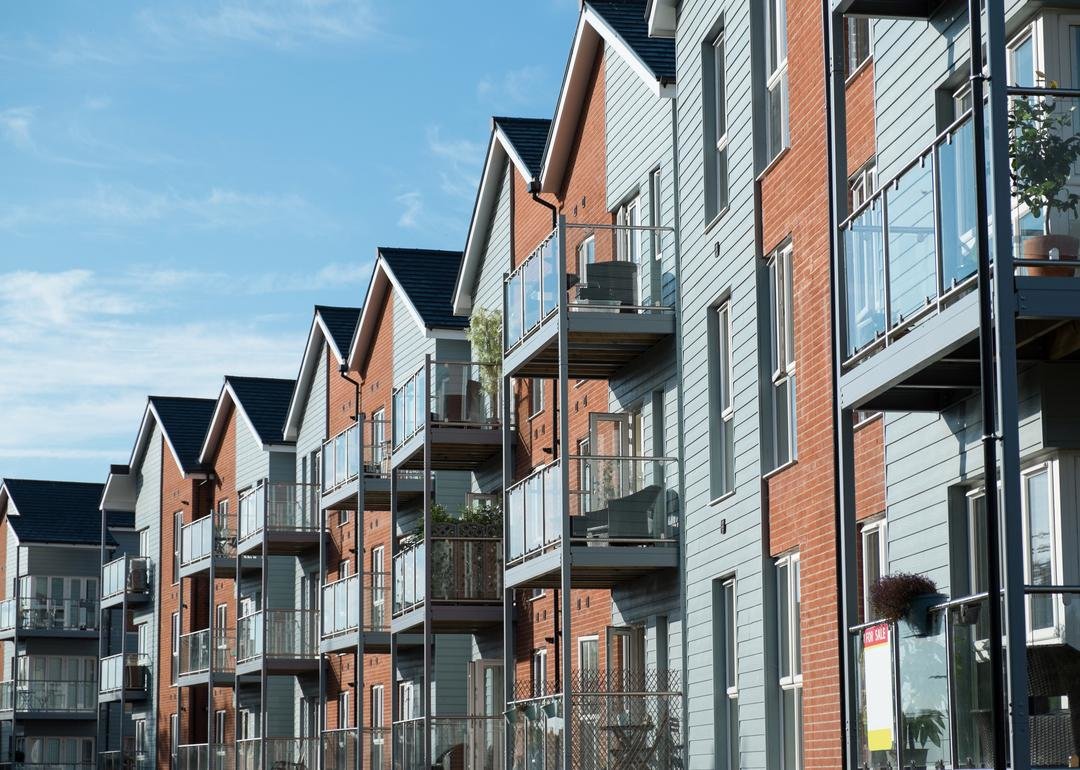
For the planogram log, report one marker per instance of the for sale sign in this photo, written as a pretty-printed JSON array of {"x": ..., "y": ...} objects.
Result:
[{"x": 878, "y": 687}]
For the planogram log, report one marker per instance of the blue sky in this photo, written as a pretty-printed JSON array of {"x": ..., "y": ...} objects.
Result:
[{"x": 183, "y": 181}]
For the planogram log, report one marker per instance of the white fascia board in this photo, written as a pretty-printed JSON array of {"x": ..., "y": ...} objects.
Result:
[
  {"x": 303, "y": 380},
  {"x": 558, "y": 125},
  {"x": 628, "y": 54},
  {"x": 485, "y": 200}
]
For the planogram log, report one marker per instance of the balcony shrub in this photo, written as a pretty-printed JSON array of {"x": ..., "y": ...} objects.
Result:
[
  {"x": 905, "y": 596},
  {"x": 485, "y": 337}
]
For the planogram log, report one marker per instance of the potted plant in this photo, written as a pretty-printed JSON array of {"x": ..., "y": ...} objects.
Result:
[
  {"x": 485, "y": 336},
  {"x": 922, "y": 730},
  {"x": 904, "y": 596},
  {"x": 1043, "y": 149}
]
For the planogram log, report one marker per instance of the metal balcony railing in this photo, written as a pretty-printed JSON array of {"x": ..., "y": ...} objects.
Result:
[
  {"x": 466, "y": 742},
  {"x": 281, "y": 753},
  {"x": 341, "y": 747},
  {"x": 199, "y": 653},
  {"x": 344, "y": 455},
  {"x": 206, "y": 537},
  {"x": 128, "y": 671},
  {"x": 466, "y": 567},
  {"x": 358, "y": 602},
  {"x": 203, "y": 756},
  {"x": 280, "y": 507},
  {"x": 41, "y": 614},
  {"x": 127, "y": 574},
  {"x": 289, "y": 634},
  {"x": 936, "y": 683},
  {"x": 124, "y": 759},
  {"x": 614, "y": 501},
  {"x": 464, "y": 394},
  {"x": 54, "y": 695}
]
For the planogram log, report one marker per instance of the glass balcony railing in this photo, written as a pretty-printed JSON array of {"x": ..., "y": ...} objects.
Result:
[
  {"x": 292, "y": 753},
  {"x": 199, "y": 653},
  {"x": 614, "y": 501},
  {"x": 354, "y": 603},
  {"x": 945, "y": 680},
  {"x": 41, "y": 614},
  {"x": 341, "y": 455},
  {"x": 128, "y": 574},
  {"x": 457, "y": 393},
  {"x": 618, "y": 271},
  {"x": 206, "y": 537},
  {"x": 125, "y": 759},
  {"x": 38, "y": 695},
  {"x": 340, "y": 748},
  {"x": 618, "y": 719},
  {"x": 466, "y": 566},
  {"x": 280, "y": 507},
  {"x": 469, "y": 743},
  {"x": 129, "y": 671},
  {"x": 203, "y": 756},
  {"x": 288, "y": 634},
  {"x": 409, "y": 743}
]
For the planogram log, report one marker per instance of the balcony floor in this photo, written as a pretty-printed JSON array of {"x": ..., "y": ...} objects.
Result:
[
  {"x": 599, "y": 344},
  {"x": 276, "y": 666},
  {"x": 452, "y": 448},
  {"x": 224, "y": 567},
  {"x": 371, "y": 641},
  {"x": 133, "y": 600},
  {"x": 280, "y": 543},
  {"x": 202, "y": 678},
  {"x": 129, "y": 695},
  {"x": 450, "y": 618},
  {"x": 592, "y": 567},
  {"x": 376, "y": 494}
]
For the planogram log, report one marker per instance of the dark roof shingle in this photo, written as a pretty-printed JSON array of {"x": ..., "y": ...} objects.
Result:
[
  {"x": 428, "y": 277},
  {"x": 56, "y": 511},
  {"x": 627, "y": 17},
  {"x": 529, "y": 138},
  {"x": 185, "y": 422},
  {"x": 341, "y": 321},
  {"x": 266, "y": 402}
]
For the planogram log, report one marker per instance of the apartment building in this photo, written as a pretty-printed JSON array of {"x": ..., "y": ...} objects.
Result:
[
  {"x": 954, "y": 316},
  {"x": 52, "y": 535}
]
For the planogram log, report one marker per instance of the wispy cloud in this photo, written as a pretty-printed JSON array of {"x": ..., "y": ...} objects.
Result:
[
  {"x": 97, "y": 103},
  {"x": 516, "y": 86},
  {"x": 412, "y": 206},
  {"x": 15, "y": 123},
  {"x": 461, "y": 159}
]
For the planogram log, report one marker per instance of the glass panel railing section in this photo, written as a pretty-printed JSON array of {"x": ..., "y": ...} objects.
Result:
[
  {"x": 409, "y": 582},
  {"x": 280, "y": 507},
  {"x": 356, "y": 600},
  {"x": 8, "y": 614},
  {"x": 409, "y": 743},
  {"x": 55, "y": 695},
  {"x": 924, "y": 693},
  {"x": 864, "y": 273},
  {"x": 531, "y": 291},
  {"x": 535, "y": 510},
  {"x": 204, "y": 538},
  {"x": 40, "y": 614},
  {"x": 911, "y": 246},
  {"x": 956, "y": 206},
  {"x": 341, "y": 748},
  {"x": 124, "y": 672},
  {"x": 288, "y": 634},
  {"x": 291, "y": 753},
  {"x": 340, "y": 459},
  {"x": 466, "y": 562},
  {"x": 198, "y": 652},
  {"x": 201, "y": 756},
  {"x": 474, "y": 743},
  {"x": 623, "y": 500},
  {"x": 464, "y": 393},
  {"x": 249, "y": 754},
  {"x": 7, "y": 695},
  {"x": 407, "y": 407},
  {"x": 535, "y": 733}
]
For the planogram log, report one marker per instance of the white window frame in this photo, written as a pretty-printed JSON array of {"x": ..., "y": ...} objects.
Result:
[
  {"x": 723, "y": 478},
  {"x": 793, "y": 680},
  {"x": 628, "y": 239},
  {"x": 178, "y": 525},
  {"x": 782, "y": 272},
  {"x": 729, "y": 754},
  {"x": 878, "y": 528},
  {"x": 863, "y": 184},
  {"x": 342, "y": 517},
  {"x": 852, "y": 26},
  {"x": 344, "y": 710},
  {"x": 656, "y": 211},
  {"x": 718, "y": 149},
  {"x": 538, "y": 663},
  {"x": 175, "y": 630},
  {"x": 343, "y": 569},
  {"x": 536, "y": 396},
  {"x": 219, "y": 726},
  {"x": 776, "y": 71},
  {"x": 586, "y": 255}
]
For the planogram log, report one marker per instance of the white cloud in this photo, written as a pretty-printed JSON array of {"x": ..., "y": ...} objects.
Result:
[
  {"x": 462, "y": 159},
  {"x": 97, "y": 103},
  {"x": 517, "y": 86},
  {"x": 412, "y": 204},
  {"x": 15, "y": 123}
]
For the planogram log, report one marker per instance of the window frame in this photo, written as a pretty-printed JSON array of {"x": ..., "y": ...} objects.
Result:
[
  {"x": 536, "y": 393},
  {"x": 178, "y": 526},
  {"x": 788, "y": 570},
  {"x": 538, "y": 665},
  {"x": 723, "y": 404},
  {"x": 781, "y": 267},
  {"x": 776, "y": 76},
  {"x": 656, "y": 211},
  {"x": 852, "y": 26},
  {"x": 627, "y": 240},
  {"x": 717, "y": 179},
  {"x": 726, "y": 724},
  {"x": 873, "y": 528}
]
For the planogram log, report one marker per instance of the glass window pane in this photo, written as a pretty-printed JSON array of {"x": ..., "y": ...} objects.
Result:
[
  {"x": 784, "y": 606},
  {"x": 1040, "y": 546}
]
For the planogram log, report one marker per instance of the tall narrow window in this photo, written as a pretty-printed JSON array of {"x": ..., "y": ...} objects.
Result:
[
  {"x": 726, "y": 699},
  {"x": 378, "y": 721},
  {"x": 586, "y": 255},
  {"x": 788, "y": 603},
  {"x": 716, "y": 144},
  {"x": 656, "y": 198},
  {"x": 175, "y": 644},
  {"x": 874, "y": 562},
  {"x": 628, "y": 219},
  {"x": 783, "y": 357},
  {"x": 536, "y": 396},
  {"x": 344, "y": 715},
  {"x": 776, "y": 117},
  {"x": 539, "y": 673},
  {"x": 722, "y": 410},
  {"x": 174, "y": 738},
  {"x": 857, "y": 42},
  {"x": 178, "y": 523}
]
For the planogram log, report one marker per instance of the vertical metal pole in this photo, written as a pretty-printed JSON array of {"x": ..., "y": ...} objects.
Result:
[
  {"x": 358, "y": 548},
  {"x": 843, "y": 436},
  {"x": 211, "y": 642},
  {"x": 264, "y": 588},
  {"x": 429, "y": 640},
  {"x": 509, "y": 666},
  {"x": 395, "y": 706},
  {"x": 561, "y": 444},
  {"x": 101, "y": 739},
  {"x": 318, "y": 632}
]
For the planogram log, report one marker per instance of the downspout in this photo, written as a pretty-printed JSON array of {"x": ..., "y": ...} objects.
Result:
[
  {"x": 343, "y": 370},
  {"x": 534, "y": 191}
]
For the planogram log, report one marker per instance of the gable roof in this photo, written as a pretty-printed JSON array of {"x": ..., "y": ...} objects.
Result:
[
  {"x": 261, "y": 402},
  {"x": 623, "y": 25},
  {"x": 522, "y": 142},
  {"x": 64, "y": 512},
  {"x": 330, "y": 324},
  {"x": 183, "y": 422}
]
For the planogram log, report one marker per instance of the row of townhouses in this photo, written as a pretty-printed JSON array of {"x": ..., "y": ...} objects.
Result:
[{"x": 680, "y": 463}]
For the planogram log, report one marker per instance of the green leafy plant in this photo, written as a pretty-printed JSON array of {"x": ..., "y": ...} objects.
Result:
[
  {"x": 485, "y": 336},
  {"x": 1043, "y": 148},
  {"x": 892, "y": 596},
  {"x": 924, "y": 729},
  {"x": 477, "y": 513}
]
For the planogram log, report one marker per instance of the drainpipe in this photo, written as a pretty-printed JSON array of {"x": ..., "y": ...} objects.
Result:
[
  {"x": 534, "y": 191},
  {"x": 344, "y": 372}
]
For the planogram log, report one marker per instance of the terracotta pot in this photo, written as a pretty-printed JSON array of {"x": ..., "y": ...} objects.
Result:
[{"x": 1040, "y": 246}]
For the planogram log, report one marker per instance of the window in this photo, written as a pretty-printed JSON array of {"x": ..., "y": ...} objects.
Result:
[
  {"x": 377, "y": 724},
  {"x": 178, "y": 523},
  {"x": 656, "y": 200},
  {"x": 776, "y": 116},
  {"x": 586, "y": 255},
  {"x": 783, "y": 357},
  {"x": 628, "y": 218},
  {"x": 175, "y": 644},
  {"x": 343, "y": 713},
  {"x": 144, "y": 542},
  {"x": 716, "y": 139},
  {"x": 219, "y": 727},
  {"x": 857, "y": 35},
  {"x": 343, "y": 569},
  {"x": 409, "y": 700},
  {"x": 862, "y": 184},
  {"x": 174, "y": 737},
  {"x": 539, "y": 673},
  {"x": 379, "y": 449},
  {"x": 726, "y": 702},
  {"x": 536, "y": 396},
  {"x": 788, "y": 601},
  {"x": 722, "y": 466},
  {"x": 342, "y": 518},
  {"x": 140, "y": 737},
  {"x": 875, "y": 562}
]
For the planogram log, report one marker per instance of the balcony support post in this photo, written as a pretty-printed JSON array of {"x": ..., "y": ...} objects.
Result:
[
  {"x": 358, "y": 549},
  {"x": 429, "y": 640},
  {"x": 318, "y": 632},
  {"x": 561, "y": 450},
  {"x": 100, "y": 739},
  {"x": 395, "y": 705},
  {"x": 211, "y": 642},
  {"x": 843, "y": 436},
  {"x": 506, "y": 400},
  {"x": 263, "y": 587}
]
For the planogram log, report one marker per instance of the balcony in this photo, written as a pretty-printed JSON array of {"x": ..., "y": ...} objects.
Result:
[
  {"x": 943, "y": 708},
  {"x": 908, "y": 285},
  {"x": 283, "y": 519},
  {"x": 126, "y": 759},
  {"x": 38, "y": 616},
  {"x": 354, "y": 609},
  {"x": 341, "y": 463},
  {"x": 618, "y": 304},
  {"x": 204, "y": 756},
  {"x": 48, "y": 699},
  {"x": 461, "y": 413},
  {"x": 281, "y": 753},
  {"x": 285, "y": 641},
  {"x": 342, "y": 748},
  {"x": 207, "y": 545},
  {"x": 204, "y": 659},
  {"x": 128, "y": 579},
  {"x": 468, "y": 743},
  {"x": 465, "y": 588},
  {"x": 618, "y": 719},
  {"x": 124, "y": 677},
  {"x": 624, "y": 515}
]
